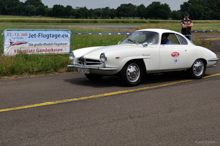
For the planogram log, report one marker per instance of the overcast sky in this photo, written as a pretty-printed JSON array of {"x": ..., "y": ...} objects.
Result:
[{"x": 91, "y": 4}]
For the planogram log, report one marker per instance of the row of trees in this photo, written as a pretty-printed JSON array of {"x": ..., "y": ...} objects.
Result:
[{"x": 198, "y": 9}]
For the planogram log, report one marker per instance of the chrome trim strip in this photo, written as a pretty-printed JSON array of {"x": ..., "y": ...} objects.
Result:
[
  {"x": 107, "y": 68},
  {"x": 93, "y": 62},
  {"x": 213, "y": 59},
  {"x": 88, "y": 67},
  {"x": 78, "y": 66}
]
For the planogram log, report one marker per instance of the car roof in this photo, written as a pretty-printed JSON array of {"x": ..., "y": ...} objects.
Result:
[{"x": 158, "y": 30}]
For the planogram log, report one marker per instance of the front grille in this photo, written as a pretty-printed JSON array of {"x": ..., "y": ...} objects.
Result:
[
  {"x": 84, "y": 61},
  {"x": 92, "y": 62}
]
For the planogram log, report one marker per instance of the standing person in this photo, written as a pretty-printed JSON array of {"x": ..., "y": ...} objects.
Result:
[{"x": 187, "y": 24}]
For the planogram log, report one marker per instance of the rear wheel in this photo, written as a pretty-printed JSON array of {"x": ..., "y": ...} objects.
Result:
[
  {"x": 198, "y": 69},
  {"x": 93, "y": 76},
  {"x": 132, "y": 73}
]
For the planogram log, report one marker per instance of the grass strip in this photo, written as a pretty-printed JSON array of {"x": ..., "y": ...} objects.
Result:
[{"x": 24, "y": 64}]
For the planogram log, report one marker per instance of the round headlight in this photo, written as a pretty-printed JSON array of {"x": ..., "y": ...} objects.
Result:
[
  {"x": 71, "y": 56},
  {"x": 103, "y": 58}
]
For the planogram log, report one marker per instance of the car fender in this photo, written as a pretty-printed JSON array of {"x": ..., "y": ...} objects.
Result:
[
  {"x": 199, "y": 53},
  {"x": 127, "y": 59}
]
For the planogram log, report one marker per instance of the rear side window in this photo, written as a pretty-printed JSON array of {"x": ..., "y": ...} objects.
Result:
[
  {"x": 182, "y": 40},
  {"x": 173, "y": 39}
]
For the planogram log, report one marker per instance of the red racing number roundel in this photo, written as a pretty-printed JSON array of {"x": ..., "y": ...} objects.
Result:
[{"x": 175, "y": 54}]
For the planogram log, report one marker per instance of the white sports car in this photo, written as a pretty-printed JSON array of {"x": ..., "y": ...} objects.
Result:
[{"x": 144, "y": 51}]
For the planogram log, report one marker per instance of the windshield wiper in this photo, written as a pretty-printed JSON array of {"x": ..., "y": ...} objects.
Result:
[{"x": 133, "y": 41}]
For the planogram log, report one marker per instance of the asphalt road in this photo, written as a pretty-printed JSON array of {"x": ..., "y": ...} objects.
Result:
[
  {"x": 213, "y": 38},
  {"x": 165, "y": 109}
]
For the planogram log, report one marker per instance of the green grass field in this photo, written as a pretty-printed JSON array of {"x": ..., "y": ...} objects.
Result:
[{"x": 23, "y": 64}]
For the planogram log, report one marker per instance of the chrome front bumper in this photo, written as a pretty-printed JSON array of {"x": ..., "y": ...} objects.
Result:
[{"x": 88, "y": 67}]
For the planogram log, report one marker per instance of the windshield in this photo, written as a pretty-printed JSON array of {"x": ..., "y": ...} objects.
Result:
[{"x": 140, "y": 37}]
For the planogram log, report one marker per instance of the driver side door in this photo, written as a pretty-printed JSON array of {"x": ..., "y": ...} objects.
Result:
[{"x": 173, "y": 56}]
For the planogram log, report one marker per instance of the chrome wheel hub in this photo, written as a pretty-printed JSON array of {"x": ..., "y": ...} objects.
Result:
[
  {"x": 198, "y": 67},
  {"x": 133, "y": 72}
]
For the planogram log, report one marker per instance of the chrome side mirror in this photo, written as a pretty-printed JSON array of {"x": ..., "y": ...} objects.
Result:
[{"x": 145, "y": 44}]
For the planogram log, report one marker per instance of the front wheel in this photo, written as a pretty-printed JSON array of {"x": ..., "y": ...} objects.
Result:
[
  {"x": 198, "y": 69},
  {"x": 131, "y": 74},
  {"x": 93, "y": 76}
]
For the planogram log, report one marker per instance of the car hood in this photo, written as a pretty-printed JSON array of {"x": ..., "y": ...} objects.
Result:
[{"x": 113, "y": 48}]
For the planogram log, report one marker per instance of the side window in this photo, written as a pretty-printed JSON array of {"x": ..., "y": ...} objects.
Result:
[
  {"x": 182, "y": 40},
  {"x": 173, "y": 38},
  {"x": 169, "y": 39}
]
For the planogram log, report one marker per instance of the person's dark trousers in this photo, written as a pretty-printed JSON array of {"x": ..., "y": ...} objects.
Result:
[{"x": 189, "y": 37}]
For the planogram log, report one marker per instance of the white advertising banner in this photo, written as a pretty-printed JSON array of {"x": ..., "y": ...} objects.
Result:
[{"x": 36, "y": 42}]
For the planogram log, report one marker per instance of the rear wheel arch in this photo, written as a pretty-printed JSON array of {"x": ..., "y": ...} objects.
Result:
[{"x": 204, "y": 61}]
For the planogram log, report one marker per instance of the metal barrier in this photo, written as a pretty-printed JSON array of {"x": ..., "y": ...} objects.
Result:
[{"x": 206, "y": 31}]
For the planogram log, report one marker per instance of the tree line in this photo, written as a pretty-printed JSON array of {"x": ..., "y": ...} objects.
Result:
[{"x": 198, "y": 10}]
